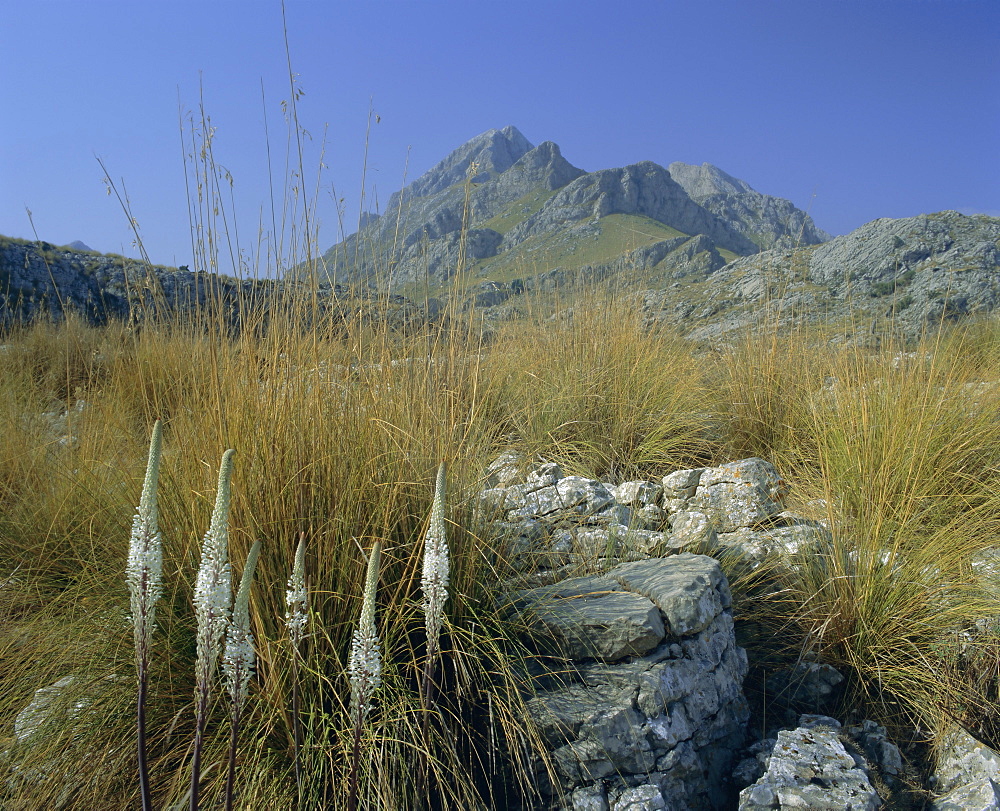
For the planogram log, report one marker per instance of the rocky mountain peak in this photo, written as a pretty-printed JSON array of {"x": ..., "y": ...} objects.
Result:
[
  {"x": 703, "y": 181},
  {"x": 493, "y": 151},
  {"x": 770, "y": 222},
  {"x": 542, "y": 166}
]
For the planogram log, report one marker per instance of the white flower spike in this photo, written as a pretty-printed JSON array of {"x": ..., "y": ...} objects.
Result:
[
  {"x": 364, "y": 667},
  {"x": 144, "y": 570},
  {"x": 434, "y": 581},
  {"x": 213, "y": 588},
  {"x": 239, "y": 658},
  {"x": 296, "y": 600}
]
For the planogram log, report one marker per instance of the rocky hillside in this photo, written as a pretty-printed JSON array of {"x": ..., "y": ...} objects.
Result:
[
  {"x": 37, "y": 277},
  {"x": 906, "y": 275},
  {"x": 683, "y": 242},
  {"x": 528, "y": 210}
]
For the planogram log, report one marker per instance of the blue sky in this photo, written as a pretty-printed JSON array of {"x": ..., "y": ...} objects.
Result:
[{"x": 852, "y": 109}]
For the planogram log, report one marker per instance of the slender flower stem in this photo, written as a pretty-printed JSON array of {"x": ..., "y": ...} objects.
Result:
[
  {"x": 364, "y": 668},
  {"x": 231, "y": 773},
  {"x": 212, "y": 598},
  {"x": 238, "y": 662},
  {"x": 144, "y": 790},
  {"x": 143, "y": 574},
  {"x": 296, "y": 618}
]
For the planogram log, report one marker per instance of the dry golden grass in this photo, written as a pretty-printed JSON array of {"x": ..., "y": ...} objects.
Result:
[{"x": 904, "y": 452}]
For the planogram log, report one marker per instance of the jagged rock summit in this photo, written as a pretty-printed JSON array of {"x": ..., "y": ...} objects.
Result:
[
  {"x": 493, "y": 152},
  {"x": 504, "y": 209}
]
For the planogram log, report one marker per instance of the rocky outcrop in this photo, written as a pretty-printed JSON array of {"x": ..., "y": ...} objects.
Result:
[
  {"x": 28, "y": 763},
  {"x": 553, "y": 525},
  {"x": 643, "y": 188},
  {"x": 770, "y": 222},
  {"x": 620, "y": 598},
  {"x": 967, "y": 776},
  {"x": 643, "y": 706},
  {"x": 37, "y": 278},
  {"x": 903, "y": 276}
]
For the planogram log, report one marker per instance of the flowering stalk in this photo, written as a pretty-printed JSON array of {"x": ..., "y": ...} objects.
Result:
[
  {"x": 296, "y": 619},
  {"x": 212, "y": 597},
  {"x": 238, "y": 661},
  {"x": 364, "y": 667},
  {"x": 434, "y": 581},
  {"x": 143, "y": 574}
]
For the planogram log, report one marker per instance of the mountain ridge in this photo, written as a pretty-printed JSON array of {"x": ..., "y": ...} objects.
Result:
[
  {"x": 903, "y": 275},
  {"x": 498, "y": 178}
]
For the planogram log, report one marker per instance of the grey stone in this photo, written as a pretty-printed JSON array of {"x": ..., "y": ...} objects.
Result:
[
  {"x": 681, "y": 484},
  {"x": 968, "y": 775},
  {"x": 758, "y": 545},
  {"x": 693, "y": 531},
  {"x": 640, "y": 798},
  {"x": 505, "y": 469},
  {"x": 809, "y": 767},
  {"x": 650, "y": 517},
  {"x": 740, "y": 494},
  {"x": 43, "y": 706},
  {"x": 879, "y": 751},
  {"x": 638, "y": 493},
  {"x": 583, "y": 496},
  {"x": 670, "y": 719},
  {"x": 589, "y": 798},
  {"x": 543, "y": 475},
  {"x": 753, "y": 766},
  {"x": 614, "y": 514},
  {"x": 592, "y": 617},
  {"x": 689, "y": 589}
]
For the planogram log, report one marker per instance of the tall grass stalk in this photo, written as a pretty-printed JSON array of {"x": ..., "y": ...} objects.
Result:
[{"x": 144, "y": 575}]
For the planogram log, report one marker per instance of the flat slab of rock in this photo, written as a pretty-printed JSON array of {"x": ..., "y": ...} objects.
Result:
[
  {"x": 690, "y": 590},
  {"x": 594, "y": 618}
]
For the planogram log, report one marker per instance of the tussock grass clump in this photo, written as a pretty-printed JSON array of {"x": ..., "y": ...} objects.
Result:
[
  {"x": 601, "y": 394},
  {"x": 896, "y": 449}
]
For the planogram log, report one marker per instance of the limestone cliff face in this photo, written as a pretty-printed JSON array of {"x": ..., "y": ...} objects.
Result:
[{"x": 643, "y": 188}]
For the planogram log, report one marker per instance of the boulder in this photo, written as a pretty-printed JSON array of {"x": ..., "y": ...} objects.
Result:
[
  {"x": 593, "y": 617},
  {"x": 968, "y": 775},
  {"x": 809, "y": 767},
  {"x": 740, "y": 494}
]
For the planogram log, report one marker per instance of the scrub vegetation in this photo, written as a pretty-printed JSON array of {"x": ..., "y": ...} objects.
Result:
[{"x": 340, "y": 426}]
